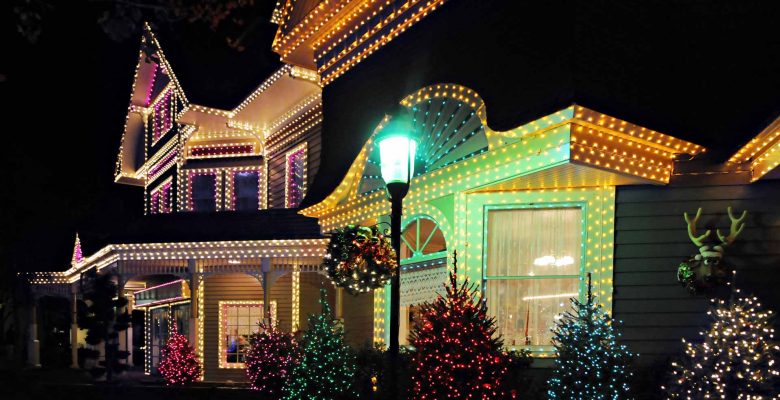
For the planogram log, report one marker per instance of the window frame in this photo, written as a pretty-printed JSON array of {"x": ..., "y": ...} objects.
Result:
[
  {"x": 168, "y": 105},
  {"x": 598, "y": 209},
  {"x": 301, "y": 147},
  {"x": 223, "y": 304},
  {"x": 582, "y": 207},
  {"x": 164, "y": 188}
]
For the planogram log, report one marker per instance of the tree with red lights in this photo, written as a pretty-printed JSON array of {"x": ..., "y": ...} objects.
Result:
[
  {"x": 178, "y": 364},
  {"x": 458, "y": 355},
  {"x": 270, "y": 359}
]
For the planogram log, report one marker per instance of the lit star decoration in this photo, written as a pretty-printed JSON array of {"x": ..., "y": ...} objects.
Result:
[
  {"x": 178, "y": 364},
  {"x": 591, "y": 364},
  {"x": 327, "y": 367},
  {"x": 270, "y": 359},
  {"x": 458, "y": 355},
  {"x": 359, "y": 259},
  {"x": 737, "y": 358}
]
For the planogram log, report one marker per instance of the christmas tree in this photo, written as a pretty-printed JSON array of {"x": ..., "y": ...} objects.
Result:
[
  {"x": 591, "y": 364},
  {"x": 458, "y": 355},
  {"x": 178, "y": 363},
  {"x": 737, "y": 358},
  {"x": 327, "y": 366},
  {"x": 271, "y": 357}
]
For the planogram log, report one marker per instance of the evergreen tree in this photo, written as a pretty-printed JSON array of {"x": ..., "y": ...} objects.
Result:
[
  {"x": 178, "y": 363},
  {"x": 104, "y": 317},
  {"x": 458, "y": 355},
  {"x": 327, "y": 366},
  {"x": 736, "y": 360},
  {"x": 591, "y": 364},
  {"x": 270, "y": 359}
]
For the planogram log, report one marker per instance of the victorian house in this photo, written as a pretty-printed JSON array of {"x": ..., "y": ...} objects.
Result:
[{"x": 532, "y": 163}]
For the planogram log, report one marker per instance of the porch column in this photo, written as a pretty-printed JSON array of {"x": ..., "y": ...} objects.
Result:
[
  {"x": 340, "y": 304},
  {"x": 74, "y": 327},
  {"x": 265, "y": 267},
  {"x": 192, "y": 266},
  {"x": 34, "y": 356},
  {"x": 124, "y": 344}
]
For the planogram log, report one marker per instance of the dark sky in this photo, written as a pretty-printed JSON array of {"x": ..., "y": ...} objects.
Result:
[{"x": 64, "y": 102}]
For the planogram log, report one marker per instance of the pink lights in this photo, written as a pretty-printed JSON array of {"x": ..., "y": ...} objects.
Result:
[{"x": 162, "y": 119}]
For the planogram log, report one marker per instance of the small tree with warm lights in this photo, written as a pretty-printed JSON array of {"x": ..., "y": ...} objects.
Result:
[
  {"x": 270, "y": 359},
  {"x": 458, "y": 354},
  {"x": 737, "y": 358},
  {"x": 327, "y": 367},
  {"x": 590, "y": 362},
  {"x": 178, "y": 363}
]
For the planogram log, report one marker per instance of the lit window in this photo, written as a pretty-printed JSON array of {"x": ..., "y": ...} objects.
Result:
[
  {"x": 245, "y": 190},
  {"x": 238, "y": 321},
  {"x": 295, "y": 176},
  {"x": 162, "y": 117},
  {"x": 533, "y": 269}
]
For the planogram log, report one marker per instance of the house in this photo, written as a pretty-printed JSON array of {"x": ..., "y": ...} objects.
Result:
[
  {"x": 539, "y": 161},
  {"x": 222, "y": 246}
]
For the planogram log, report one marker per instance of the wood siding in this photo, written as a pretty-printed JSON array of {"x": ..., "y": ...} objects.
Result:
[
  {"x": 359, "y": 319},
  {"x": 236, "y": 287},
  {"x": 651, "y": 240}
]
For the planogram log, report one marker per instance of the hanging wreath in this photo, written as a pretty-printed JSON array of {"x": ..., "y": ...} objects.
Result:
[{"x": 359, "y": 259}]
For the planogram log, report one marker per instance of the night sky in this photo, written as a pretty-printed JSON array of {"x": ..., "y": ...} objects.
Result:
[{"x": 64, "y": 103}]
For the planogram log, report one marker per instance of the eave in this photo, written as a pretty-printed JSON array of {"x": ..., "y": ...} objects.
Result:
[
  {"x": 762, "y": 153},
  {"x": 574, "y": 147}
]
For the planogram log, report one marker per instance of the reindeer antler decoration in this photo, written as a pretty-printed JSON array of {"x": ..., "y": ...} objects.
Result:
[
  {"x": 697, "y": 240},
  {"x": 737, "y": 225},
  {"x": 704, "y": 270}
]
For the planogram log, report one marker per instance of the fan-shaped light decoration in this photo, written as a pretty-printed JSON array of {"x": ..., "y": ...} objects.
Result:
[
  {"x": 448, "y": 128},
  {"x": 359, "y": 259}
]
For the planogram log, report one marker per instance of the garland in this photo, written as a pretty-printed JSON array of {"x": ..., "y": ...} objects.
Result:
[{"x": 359, "y": 259}]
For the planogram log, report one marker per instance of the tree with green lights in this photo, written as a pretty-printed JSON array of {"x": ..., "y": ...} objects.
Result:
[
  {"x": 591, "y": 364},
  {"x": 737, "y": 358},
  {"x": 327, "y": 365}
]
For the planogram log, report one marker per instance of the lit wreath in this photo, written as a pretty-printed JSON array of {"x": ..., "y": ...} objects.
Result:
[{"x": 359, "y": 259}]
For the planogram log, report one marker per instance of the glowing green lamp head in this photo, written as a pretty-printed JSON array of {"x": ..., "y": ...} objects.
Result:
[{"x": 397, "y": 148}]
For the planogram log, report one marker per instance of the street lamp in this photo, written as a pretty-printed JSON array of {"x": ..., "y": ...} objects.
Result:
[{"x": 397, "y": 149}]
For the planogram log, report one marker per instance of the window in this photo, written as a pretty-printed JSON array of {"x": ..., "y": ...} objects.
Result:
[
  {"x": 159, "y": 332},
  {"x": 203, "y": 191},
  {"x": 161, "y": 199},
  {"x": 245, "y": 186},
  {"x": 238, "y": 321},
  {"x": 162, "y": 118},
  {"x": 421, "y": 237},
  {"x": 295, "y": 176},
  {"x": 532, "y": 270}
]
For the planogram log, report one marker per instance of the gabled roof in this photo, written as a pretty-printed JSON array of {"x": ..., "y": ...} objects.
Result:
[{"x": 151, "y": 72}]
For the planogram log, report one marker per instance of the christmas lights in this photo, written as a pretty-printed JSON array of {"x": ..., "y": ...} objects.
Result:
[
  {"x": 219, "y": 150},
  {"x": 270, "y": 359},
  {"x": 458, "y": 355},
  {"x": 327, "y": 366},
  {"x": 295, "y": 176},
  {"x": 736, "y": 359},
  {"x": 238, "y": 319},
  {"x": 178, "y": 364},
  {"x": 590, "y": 362}
]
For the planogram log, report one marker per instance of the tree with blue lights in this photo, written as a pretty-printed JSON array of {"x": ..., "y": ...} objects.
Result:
[{"x": 591, "y": 364}]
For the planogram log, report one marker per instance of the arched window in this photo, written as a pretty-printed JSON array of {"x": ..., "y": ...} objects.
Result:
[{"x": 421, "y": 237}]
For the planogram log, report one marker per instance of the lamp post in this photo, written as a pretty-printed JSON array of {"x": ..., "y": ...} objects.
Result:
[{"x": 397, "y": 150}]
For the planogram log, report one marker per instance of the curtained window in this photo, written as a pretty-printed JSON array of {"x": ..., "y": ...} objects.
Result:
[{"x": 533, "y": 269}]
